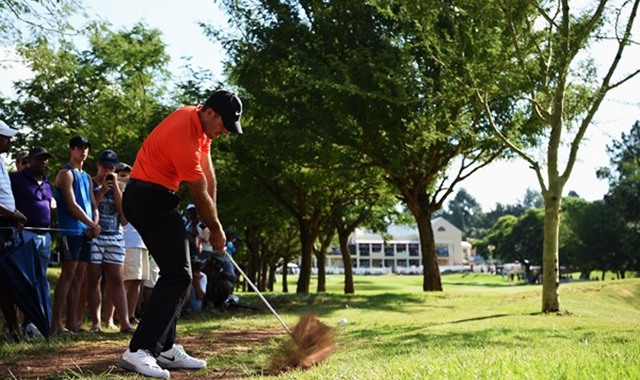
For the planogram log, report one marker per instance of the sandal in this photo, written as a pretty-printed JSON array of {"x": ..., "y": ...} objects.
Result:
[
  {"x": 129, "y": 330},
  {"x": 62, "y": 331},
  {"x": 96, "y": 329}
]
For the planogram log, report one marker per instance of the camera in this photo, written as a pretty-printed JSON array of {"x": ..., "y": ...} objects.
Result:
[{"x": 110, "y": 177}]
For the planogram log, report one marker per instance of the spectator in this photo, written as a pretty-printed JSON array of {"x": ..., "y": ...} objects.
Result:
[
  {"x": 136, "y": 260},
  {"x": 33, "y": 194},
  {"x": 78, "y": 221},
  {"x": 198, "y": 288},
  {"x": 22, "y": 160},
  {"x": 10, "y": 218},
  {"x": 191, "y": 228},
  {"x": 107, "y": 251},
  {"x": 206, "y": 250}
]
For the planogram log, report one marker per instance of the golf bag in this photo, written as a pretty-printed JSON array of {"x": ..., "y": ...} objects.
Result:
[{"x": 220, "y": 284}]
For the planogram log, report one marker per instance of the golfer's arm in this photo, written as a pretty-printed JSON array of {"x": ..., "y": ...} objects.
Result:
[
  {"x": 210, "y": 176},
  {"x": 207, "y": 210}
]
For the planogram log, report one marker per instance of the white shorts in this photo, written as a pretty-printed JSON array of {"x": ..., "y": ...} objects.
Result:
[
  {"x": 154, "y": 274},
  {"x": 108, "y": 249},
  {"x": 136, "y": 264}
]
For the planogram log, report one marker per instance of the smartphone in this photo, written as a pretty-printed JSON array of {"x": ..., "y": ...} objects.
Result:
[{"x": 110, "y": 177}]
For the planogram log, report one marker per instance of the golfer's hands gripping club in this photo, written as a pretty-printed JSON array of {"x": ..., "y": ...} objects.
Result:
[{"x": 217, "y": 238}]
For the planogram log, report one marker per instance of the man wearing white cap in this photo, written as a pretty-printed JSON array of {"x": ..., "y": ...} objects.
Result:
[{"x": 9, "y": 217}]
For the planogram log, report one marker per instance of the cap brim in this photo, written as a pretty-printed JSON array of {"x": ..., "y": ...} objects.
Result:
[
  {"x": 233, "y": 126},
  {"x": 88, "y": 145},
  {"x": 47, "y": 155},
  {"x": 8, "y": 132}
]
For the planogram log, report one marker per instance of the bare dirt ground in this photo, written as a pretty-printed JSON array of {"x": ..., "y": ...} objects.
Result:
[{"x": 100, "y": 356}]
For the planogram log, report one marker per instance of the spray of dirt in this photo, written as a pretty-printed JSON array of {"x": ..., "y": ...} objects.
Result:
[{"x": 311, "y": 342}]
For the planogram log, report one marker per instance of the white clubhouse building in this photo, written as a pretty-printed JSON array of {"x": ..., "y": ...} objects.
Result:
[{"x": 399, "y": 250}]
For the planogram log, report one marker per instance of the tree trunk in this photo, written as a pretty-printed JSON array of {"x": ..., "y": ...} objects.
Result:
[
  {"x": 550, "y": 258},
  {"x": 262, "y": 283},
  {"x": 254, "y": 264},
  {"x": 285, "y": 273},
  {"x": 343, "y": 236},
  {"x": 431, "y": 272},
  {"x": 322, "y": 279},
  {"x": 305, "y": 262},
  {"x": 272, "y": 276}
]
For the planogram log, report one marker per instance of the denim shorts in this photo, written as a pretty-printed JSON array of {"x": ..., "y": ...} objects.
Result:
[{"x": 75, "y": 248}]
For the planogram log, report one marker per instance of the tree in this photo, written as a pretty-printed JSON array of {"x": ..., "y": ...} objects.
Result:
[
  {"x": 40, "y": 17},
  {"x": 465, "y": 213},
  {"x": 624, "y": 196},
  {"x": 110, "y": 92},
  {"x": 370, "y": 79},
  {"x": 564, "y": 95}
]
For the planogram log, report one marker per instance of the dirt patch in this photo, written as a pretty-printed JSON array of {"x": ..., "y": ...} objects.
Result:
[{"x": 99, "y": 357}]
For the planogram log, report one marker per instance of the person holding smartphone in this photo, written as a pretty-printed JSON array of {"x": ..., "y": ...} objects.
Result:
[{"x": 108, "y": 250}]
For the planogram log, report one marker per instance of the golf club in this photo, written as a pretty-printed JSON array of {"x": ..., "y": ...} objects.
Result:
[{"x": 230, "y": 258}]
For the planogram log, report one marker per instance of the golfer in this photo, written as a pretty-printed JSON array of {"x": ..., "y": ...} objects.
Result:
[{"x": 177, "y": 150}]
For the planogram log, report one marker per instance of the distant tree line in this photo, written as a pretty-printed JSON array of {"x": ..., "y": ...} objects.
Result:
[{"x": 602, "y": 235}]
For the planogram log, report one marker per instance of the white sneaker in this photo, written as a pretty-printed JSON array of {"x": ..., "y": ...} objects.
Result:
[
  {"x": 177, "y": 358},
  {"x": 144, "y": 363}
]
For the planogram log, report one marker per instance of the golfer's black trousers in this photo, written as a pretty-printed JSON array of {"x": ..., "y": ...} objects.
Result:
[{"x": 154, "y": 213}]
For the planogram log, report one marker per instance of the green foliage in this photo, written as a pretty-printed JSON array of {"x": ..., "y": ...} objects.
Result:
[
  {"x": 110, "y": 93},
  {"x": 623, "y": 197},
  {"x": 20, "y": 19}
]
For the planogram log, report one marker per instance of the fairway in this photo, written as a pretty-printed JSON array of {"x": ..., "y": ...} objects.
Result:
[{"x": 479, "y": 327}]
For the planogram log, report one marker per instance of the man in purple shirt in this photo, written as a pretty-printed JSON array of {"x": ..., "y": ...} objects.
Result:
[{"x": 33, "y": 194}]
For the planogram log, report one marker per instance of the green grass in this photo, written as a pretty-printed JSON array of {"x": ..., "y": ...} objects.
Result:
[{"x": 480, "y": 327}]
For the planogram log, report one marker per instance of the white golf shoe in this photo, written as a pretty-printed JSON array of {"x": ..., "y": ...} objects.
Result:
[
  {"x": 176, "y": 357},
  {"x": 144, "y": 363}
]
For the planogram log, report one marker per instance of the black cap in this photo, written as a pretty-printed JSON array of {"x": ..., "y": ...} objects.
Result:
[
  {"x": 229, "y": 106},
  {"x": 108, "y": 158},
  {"x": 79, "y": 141},
  {"x": 39, "y": 151},
  {"x": 122, "y": 167}
]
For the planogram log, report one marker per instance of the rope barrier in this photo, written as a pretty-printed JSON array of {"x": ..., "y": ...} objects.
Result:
[{"x": 51, "y": 229}]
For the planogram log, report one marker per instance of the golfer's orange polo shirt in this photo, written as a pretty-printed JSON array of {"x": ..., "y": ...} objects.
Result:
[{"x": 171, "y": 153}]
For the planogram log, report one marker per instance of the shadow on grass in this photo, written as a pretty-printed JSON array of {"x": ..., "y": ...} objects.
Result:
[
  {"x": 327, "y": 302},
  {"x": 393, "y": 339},
  {"x": 483, "y": 284}
]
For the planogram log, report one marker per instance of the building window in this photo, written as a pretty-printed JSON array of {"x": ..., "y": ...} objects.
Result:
[
  {"x": 402, "y": 263},
  {"x": 364, "y": 249},
  {"x": 388, "y": 263},
  {"x": 441, "y": 229},
  {"x": 365, "y": 263},
  {"x": 388, "y": 250},
  {"x": 376, "y": 263},
  {"x": 401, "y": 248},
  {"x": 414, "y": 263},
  {"x": 376, "y": 247},
  {"x": 442, "y": 250},
  {"x": 414, "y": 249},
  {"x": 352, "y": 249}
]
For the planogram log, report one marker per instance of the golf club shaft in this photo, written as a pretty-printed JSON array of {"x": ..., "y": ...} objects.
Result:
[{"x": 246, "y": 278}]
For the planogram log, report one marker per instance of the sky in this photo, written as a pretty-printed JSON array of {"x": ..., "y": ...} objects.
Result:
[{"x": 501, "y": 182}]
